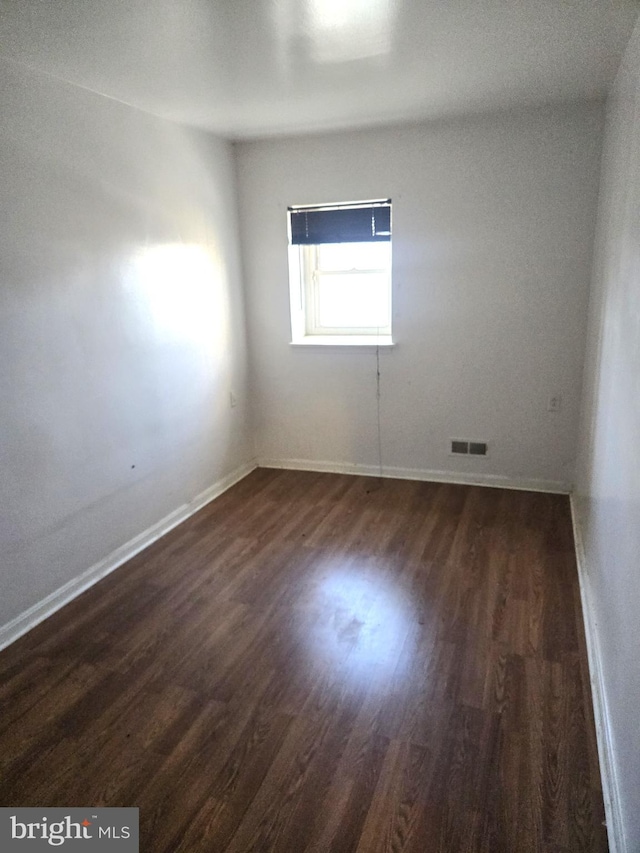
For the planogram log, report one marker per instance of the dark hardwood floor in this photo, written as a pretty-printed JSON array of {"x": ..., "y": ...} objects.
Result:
[{"x": 317, "y": 662}]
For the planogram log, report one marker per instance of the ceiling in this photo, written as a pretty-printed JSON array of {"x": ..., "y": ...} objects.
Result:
[{"x": 247, "y": 68}]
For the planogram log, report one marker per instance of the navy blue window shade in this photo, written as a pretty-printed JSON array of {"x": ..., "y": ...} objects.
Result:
[{"x": 358, "y": 223}]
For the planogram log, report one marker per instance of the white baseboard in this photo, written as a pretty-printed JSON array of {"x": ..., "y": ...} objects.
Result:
[
  {"x": 610, "y": 790},
  {"x": 40, "y": 611},
  {"x": 458, "y": 477}
]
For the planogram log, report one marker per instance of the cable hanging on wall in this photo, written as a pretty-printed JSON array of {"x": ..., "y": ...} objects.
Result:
[{"x": 378, "y": 413}]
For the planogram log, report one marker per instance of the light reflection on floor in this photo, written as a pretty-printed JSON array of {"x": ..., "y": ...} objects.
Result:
[{"x": 357, "y": 619}]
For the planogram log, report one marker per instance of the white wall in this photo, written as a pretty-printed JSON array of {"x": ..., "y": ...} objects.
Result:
[
  {"x": 608, "y": 485},
  {"x": 121, "y": 328},
  {"x": 493, "y": 225}
]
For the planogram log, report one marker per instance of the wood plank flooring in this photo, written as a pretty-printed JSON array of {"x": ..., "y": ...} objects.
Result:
[{"x": 317, "y": 662}]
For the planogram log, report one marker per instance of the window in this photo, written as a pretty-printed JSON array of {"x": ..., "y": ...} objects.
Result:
[{"x": 340, "y": 273}]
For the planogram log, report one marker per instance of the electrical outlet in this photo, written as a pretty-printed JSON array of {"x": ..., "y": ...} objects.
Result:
[{"x": 554, "y": 403}]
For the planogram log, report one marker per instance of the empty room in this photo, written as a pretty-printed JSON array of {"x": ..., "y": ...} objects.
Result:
[{"x": 319, "y": 426}]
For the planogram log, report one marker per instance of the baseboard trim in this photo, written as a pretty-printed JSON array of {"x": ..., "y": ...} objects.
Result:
[
  {"x": 490, "y": 480},
  {"x": 40, "y": 611},
  {"x": 610, "y": 789}
]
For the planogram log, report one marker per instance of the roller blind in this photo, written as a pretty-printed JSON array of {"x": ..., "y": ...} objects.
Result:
[{"x": 354, "y": 223}]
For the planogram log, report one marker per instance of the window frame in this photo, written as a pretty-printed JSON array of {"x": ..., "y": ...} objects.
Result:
[{"x": 304, "y": 283}]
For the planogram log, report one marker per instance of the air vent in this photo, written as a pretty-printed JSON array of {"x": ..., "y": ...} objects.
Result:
[
  {"x": 463, "y": 447},
  {"x": 478, "y": 448},
  {"x": 460, "y": 447}
]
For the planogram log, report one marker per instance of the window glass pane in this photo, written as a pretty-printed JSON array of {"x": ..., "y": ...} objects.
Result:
[
  {"x": 353, "y": 300},
  {"x": 359, "y": 256}
]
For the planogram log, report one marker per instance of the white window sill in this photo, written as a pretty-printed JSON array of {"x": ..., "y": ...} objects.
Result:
[{"x": 370, "y": 341}]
